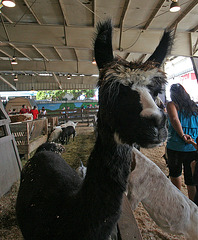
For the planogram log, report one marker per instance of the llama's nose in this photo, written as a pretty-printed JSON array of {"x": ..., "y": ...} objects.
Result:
[
  {"x": 157, "y": 115},
  {"x": 157, "y": 118},
  {"x": 161, "y": 119}
]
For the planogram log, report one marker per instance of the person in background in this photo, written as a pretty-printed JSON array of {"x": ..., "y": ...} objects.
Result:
[
  {"x": 63, "y": 112},
  {"x": 9, "y": 111},
  {"x": 23, "y": 109},
  {"x": 14, "y": 112},
  {"x": 34, "y": 112},
  {"x": 194, "y": 167},
  {"x": 183, "y": 124},
  {"x": 28, "y": 109},
  {"x": 43, "y": 111}
]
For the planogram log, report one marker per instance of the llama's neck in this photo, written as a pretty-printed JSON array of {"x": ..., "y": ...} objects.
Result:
[
  {"x": 107, "y": 173},
  {"x": 109, "y": 156}
]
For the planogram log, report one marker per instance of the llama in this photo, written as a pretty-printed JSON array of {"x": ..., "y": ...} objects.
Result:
[
  {"x": 168, "y": 206},
  {"x": 53, "y": 202}
]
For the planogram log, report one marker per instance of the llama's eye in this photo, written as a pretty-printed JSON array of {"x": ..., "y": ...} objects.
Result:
[
  {"x": 155, "y": 94},
  {"x": 130, "y": 84},
  {"x": 154, "y": 97},
  {"x": 154, "y": 91}
]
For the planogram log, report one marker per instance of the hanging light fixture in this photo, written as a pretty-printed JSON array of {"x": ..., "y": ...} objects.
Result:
[
  {"x": 69, "y": 76},
  {"x": 16, "y": 78},
  {"x": 9, "y": 3},
  {"x": 93, "y": 61},
  {"x": 174, "y": 7},
  {"x": 14, "y": 60}
]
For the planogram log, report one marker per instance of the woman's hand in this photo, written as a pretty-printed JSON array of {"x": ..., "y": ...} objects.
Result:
[{"x": 187, "y": 138}]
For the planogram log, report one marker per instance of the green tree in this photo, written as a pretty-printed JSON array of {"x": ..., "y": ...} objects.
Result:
[
  {"x": 54, "y": 94},
  {"x": 59, "y": 94},
  {"x": 89, "y": 93},
  {"x": 41, "y": 95}
]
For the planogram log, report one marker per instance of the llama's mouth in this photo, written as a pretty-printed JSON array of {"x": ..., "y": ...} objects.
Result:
[
  {"x": 152, "y": 145},
  {"x": 152, "y": 137}
]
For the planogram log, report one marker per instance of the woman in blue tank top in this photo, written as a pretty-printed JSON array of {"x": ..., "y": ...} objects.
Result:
[{"x": 183, "y": 128}]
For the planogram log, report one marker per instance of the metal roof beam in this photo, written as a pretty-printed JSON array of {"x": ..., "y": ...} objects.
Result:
[
  {"x": 152, "y": 16},
  {"x": 127, "y": 55},
  {"x": 5, "y": 53},
  {"x": 94, "y": 11},
  {"x": 5, "y": 29},
  {"x": 7, "y": 18},
  {"x": 40, "y": 53},
  {"x": 76, "y": 59},
  {"x": 141, "y": 58},
  {"x": 64, "y": 16},
  {"x": 64, "y": 20},
  {"x": 125, "y": 8},
  {"x": 25, "y": 55},
  {"x": 57, "y": 80},
  {"x": 55, "y": 66},
  {"x": 31, "y": 10},
  {"x": 195, "y": 48},
  {"x": 58, "y": 53},
  {"x": 8, "y": 83},
  {"x": 194, "y": 29}
]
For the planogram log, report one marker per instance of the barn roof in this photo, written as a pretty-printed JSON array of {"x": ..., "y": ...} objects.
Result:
[{"x": 54, "y": 38}]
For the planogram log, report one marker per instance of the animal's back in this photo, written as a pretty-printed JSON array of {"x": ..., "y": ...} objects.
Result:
[
  {"x": 70, "y": 130},
  {"x": 165, "y": 203},
  {"x": 46, "y": 181}
]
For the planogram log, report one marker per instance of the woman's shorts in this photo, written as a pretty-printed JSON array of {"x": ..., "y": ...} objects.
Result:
[{"x": 178, "y": 159}]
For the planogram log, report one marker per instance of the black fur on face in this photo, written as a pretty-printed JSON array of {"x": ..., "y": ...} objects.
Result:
[
  {"x": 127, "y": 105},
  {"x": 127, "y": 91}
]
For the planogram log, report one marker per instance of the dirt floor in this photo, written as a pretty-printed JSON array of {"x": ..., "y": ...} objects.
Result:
[{"x": 77, "y": 150}]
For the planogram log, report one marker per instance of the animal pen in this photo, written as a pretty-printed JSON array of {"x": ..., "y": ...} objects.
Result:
[
  {"x": 77, "y": 115},
  {"x": 30, "y": 135},
  {"x": 10, "y": 165}
]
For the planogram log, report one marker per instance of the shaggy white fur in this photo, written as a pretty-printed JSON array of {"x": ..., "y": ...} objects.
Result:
[
  {"x": 168, "y": 207},
  {"x": 69, "y": 123}
]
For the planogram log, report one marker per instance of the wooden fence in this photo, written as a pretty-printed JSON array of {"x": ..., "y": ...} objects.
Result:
[
  {"x": 127, "y": 225},
  {"x": 87, "y": 115},
  {"x": 10, "y": 164},
  {"x": 30, "y": 135}
]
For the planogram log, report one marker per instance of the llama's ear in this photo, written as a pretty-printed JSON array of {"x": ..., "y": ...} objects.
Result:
[
  {"x": 103, "y": 44},
  {"x": 163, "y": 49}
]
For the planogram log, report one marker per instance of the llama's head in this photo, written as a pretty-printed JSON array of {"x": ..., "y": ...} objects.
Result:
[{"x": 127, "y": 92}]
